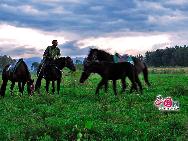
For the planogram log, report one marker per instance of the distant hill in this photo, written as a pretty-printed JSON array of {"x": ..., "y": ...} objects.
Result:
[
  {"x": 29, "y": 61},
  {"x": 78, "y": 58}
]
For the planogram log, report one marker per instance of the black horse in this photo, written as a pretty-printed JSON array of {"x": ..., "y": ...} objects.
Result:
[
  {"x": 19, "y": 74},
  {"x": 52, "y": 72},
  {"x": 101, "y": 55},
  {"x": 111, "y": 71}
]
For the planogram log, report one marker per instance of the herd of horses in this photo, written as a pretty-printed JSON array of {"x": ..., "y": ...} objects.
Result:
[{"x": 98, "y": 61}]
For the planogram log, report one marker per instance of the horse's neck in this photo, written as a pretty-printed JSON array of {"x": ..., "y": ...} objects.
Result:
[
  {"x": 106, "y": 57},
  {"x": 26, "y": 69},
  {"x": 61, "y": 65},
  {"x": 98, "y": 69}
]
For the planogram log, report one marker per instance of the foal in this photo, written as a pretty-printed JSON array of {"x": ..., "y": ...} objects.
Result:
[
  {"x": 112, "y": 71},
  {"x": 101, "y": 55}
]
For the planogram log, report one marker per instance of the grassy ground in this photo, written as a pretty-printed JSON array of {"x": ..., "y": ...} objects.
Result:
[
  {"x": 77, "y": 114},
  {"x": 169, "y": 70}
]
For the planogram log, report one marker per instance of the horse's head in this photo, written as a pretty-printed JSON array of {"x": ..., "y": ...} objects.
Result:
[
  {"x": 65, "y": 62},
  {"x": 93, "y": 55},
  {"x": 69, "y": 63},
  {"x": 30, "y": 86},
  {"x": 86, "y": 72},
  {"x": 89, "y": 67},
  {"x": 100, "y": 55}
]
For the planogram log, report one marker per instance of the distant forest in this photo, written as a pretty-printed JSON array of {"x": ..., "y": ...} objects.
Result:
[{"x": 176, "y": 56}]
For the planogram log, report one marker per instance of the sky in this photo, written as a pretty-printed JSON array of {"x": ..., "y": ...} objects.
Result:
[{"x": 132, "y": 27}]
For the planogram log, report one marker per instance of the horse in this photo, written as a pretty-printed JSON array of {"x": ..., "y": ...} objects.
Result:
[
  {"x": 111, "y": 71},
  {"x": 19, "y": 74},
  {"x": 101, "y": 55},
  {"x": 51, "y": 71}
]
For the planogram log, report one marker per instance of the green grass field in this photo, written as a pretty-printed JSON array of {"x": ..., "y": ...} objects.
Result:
[{"x": 77, "y": 114}]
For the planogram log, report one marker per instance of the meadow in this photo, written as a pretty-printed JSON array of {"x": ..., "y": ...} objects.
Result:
[{"x": 77, "y": 114}]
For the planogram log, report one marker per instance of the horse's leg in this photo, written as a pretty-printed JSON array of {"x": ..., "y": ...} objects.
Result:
[
  {"x": 102, "y": 82},
  {"x": 106, "y": 86},
  {"x": 123, "y": 83},
  {"x": 114, "y": 87},
  {"x": 58, "y": 85},
  {"x": 47, "y": 86},
  {"x": 53, "y": 87},
  {"x": 28, "y": 89},
  {"x": 145, "y": 73},
  {"x": 3, "y": 88},
  {"x": 131, "y": 77},
  {"x": 38, "y": 83},
  {"x": 11, "y": 88},
  {"x": 139, "y": 83},
  {"x": 23, "y": 85},
  {"x": 20, "y": 87},
  {"x": 134, "y": 86}
]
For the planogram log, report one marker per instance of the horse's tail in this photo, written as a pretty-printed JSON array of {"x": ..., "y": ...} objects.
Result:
[
  {"x": 4, "y": 81},
  {"x": 3, "y": 88},
  {"x": 145, "y": 72}
]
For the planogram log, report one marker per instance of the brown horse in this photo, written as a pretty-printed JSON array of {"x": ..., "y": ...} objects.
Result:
[
  {"x": 19, "y": 74},
  {"x": 111, "y": 71},
  {"x": 51, "y": 71},
  {"x": 101, "y": 55}
]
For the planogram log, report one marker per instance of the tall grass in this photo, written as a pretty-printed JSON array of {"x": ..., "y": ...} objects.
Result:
[{"x": 77, "y": 114}]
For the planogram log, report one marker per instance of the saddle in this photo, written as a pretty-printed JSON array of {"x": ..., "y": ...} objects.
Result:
[
  {"x": 44, "y": 66},
  {"x": 124, "y": 58},
  {"x": 12, "y": 67}
]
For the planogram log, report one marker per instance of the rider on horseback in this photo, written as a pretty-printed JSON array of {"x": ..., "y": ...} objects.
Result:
[
  {"x": 50, "y": 54},
  {"x": 116, "y": 57}
]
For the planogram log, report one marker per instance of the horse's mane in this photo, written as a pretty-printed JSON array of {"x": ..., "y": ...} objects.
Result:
[
  {"x": 98, "y": 50},
  {"x": 22, "y": 61},
  {"x": 60, "y": 59}
]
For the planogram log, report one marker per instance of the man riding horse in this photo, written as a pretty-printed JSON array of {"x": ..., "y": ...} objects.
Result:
[
  {"x": 51, "y": 67},
  {"x": 50, "y": 54}
]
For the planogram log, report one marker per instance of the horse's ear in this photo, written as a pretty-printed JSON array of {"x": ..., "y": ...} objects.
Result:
[
  {"x": 86, "y": 62},
  {"x": 68, "y": 58}
]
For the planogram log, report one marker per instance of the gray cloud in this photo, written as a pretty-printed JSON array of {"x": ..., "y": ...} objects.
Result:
[
  {"x": 94, "y": 17},
  {"x": 15, "y": 51},
  {"x": 71, "y": 49}
]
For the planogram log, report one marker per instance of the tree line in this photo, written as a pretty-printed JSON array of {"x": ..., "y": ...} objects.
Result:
[{"x": 175, "y": 56}]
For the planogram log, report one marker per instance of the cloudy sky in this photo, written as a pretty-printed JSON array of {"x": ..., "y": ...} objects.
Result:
[{"x": 27, "y": 27}]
